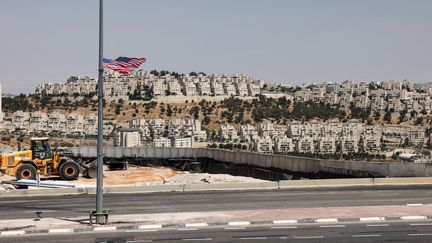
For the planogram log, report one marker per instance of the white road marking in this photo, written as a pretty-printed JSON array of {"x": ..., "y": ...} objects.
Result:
[
  {"x": 283, "y": 227},
  {"x": 329, "y": 220},
  {"x": 197, "y": 225},
  {"x": 414, "y": 204},
  {"x": 287, "y": 221},
  {"x": 359, "y": 236},
  {"x": 235, "y": 228},
  {"x": 377, "y": 225},
  {"x": 309, "y": 237},
  {"x": 139, "y": 231},
  {"x": 60, "y": 231},
  {"x": 150, "y": 226},
  {"x": 413, "y": 217},
  {"x": 105, "y": 228},
  {"x": 420, "y": 234},
  {"x": 239, "y": 223},
  {"x": 372, "y": 219},
  {"x": 424, "y": 224},
  {"x": 15, "y": 232},
  {"x": 283, "y": 237},
  {"x": 138, "y": 241},
  {"x": 333, "y": 226},
  {"x": 253, "y": 238},
  {"x": 203, "y": 239},
  {"x": 187, "y": 229}
]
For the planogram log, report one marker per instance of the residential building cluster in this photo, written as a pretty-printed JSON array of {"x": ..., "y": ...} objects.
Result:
[
  {"x": 119, "y": 86},
  {"x": 180, "y": 133},
  {"x": 314, "y": 137},
  {"x": 380, "y": 96},
  {"x": 68, "y": 124}
]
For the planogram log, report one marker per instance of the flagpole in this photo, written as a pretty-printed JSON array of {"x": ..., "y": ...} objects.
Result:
[{"x": 101, "y": 215}]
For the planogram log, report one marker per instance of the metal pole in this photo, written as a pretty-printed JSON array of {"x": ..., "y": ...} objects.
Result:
[{"x": 100, "y": 218}]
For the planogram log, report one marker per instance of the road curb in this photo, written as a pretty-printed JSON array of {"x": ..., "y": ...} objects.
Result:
[
  {"x": 267, "y": 185},
  {"x": 205, "y": 225}
]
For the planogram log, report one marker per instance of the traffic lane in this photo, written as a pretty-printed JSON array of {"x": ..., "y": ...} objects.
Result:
[
  {"x": 420, "y": 231},
  {"x": 79, "y": 205}
]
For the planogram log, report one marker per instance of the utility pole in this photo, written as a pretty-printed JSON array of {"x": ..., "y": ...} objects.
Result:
[{"x": 100, "y": 214}]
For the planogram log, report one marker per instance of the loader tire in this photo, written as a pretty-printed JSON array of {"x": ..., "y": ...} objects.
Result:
[
  {"x": 69, "y": 170},
  {"x": 26, "y": 171}
]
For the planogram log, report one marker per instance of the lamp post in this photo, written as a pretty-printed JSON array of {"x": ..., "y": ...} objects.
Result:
[{"x": 100, "y": 214}]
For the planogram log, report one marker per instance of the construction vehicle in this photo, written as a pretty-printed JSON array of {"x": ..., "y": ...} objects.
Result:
[{"x": 39, "y": 159}]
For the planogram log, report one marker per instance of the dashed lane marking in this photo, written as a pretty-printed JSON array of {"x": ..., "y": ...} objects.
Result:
[
  {"x": 197, "y": 225},
  {"x": 360, "y": 236},
  {"x": 150, "y": 226},
  {"x": 235, "y": 228},
  {"x": 283, "y": 227},
  {"x": 15, "y": 232},
  {"x": 198, "y": 239},
  {"x": 286, "y": 221},
  {"x": 106, "y": 228},
  {"x": 421, "y": 224},
  {"x": 329, "y": 220},
  {"x": 60, "y": 231},
  {"x": 377, "y": 225},
  {"x": 253, "y": 238},
  {"x": 372, "y": 219},
  {"x": 413, "y": 217},
  {"x": 414, "y": 204},
  {"x": 187, "y": 229},
  {"x": 425, "y": 234},
  {"x": 309, "y": 237},
  {"x": 333, "y": 226},
  {"x": 239, "y": 223}
]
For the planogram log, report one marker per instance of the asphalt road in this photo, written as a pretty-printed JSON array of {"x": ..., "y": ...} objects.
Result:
[
  {"x": 73, "y": 206},
  {"x": 356, "y": 232}
]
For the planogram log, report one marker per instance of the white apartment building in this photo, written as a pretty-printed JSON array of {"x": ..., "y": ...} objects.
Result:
[
  {"x": 248, "y": 132},
  {"x": 183, "y": 142},
  {"x": 264, "y": 145},
  {"x": 230, "y": 89},
  {"x": 327, "y": 146},
  {"x": 349, "y": 145},
  {"x": 162, "y": 143},
  {"x": 174, "y": 87},
  {"x": 305, "y": 145},
  {"x": 228, "y": 132},
  {"x": 284, "y": 145},
  {"x": 190, "y": 89},
  {"x": 204, "y": 89},
  {"x": 127, "y": 138}
]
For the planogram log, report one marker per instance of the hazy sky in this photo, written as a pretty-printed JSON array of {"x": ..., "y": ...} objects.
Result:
[{"x": 277, "y": 41}]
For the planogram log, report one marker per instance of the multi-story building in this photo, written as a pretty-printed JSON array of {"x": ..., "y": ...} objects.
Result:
[
  {"x": 264, "y": 145},
  {"x": 127, "y": 137},
  {"x": 284, "y": 145},
  {"x": 228, "y": 132}
]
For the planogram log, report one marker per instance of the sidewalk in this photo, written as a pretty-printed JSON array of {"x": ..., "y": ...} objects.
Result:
[{"x": 220, "y": 218}]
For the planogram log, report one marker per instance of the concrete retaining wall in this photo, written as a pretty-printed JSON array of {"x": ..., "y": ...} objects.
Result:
[{"x": 289, "y": 163}]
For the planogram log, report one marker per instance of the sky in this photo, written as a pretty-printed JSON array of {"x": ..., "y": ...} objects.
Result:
[{"x": 283, "y": 41}]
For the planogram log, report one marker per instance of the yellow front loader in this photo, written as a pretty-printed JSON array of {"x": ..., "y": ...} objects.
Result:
[{"x": 25, "y": 164}]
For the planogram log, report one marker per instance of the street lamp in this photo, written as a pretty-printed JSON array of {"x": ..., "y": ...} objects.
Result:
[{"x": 100, "y": 214}]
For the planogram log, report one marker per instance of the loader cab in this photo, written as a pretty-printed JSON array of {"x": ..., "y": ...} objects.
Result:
[{"x": 41, "y": 148}]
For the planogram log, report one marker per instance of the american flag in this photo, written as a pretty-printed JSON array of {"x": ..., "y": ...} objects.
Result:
[
  {"x": 129, "y": 62},
  {"x": 115, "y": 66},
  {"x": 123, "y": 65}
]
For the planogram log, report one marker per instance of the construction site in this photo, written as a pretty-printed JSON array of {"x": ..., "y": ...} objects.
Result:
[{"x": 21, "y": 169}]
